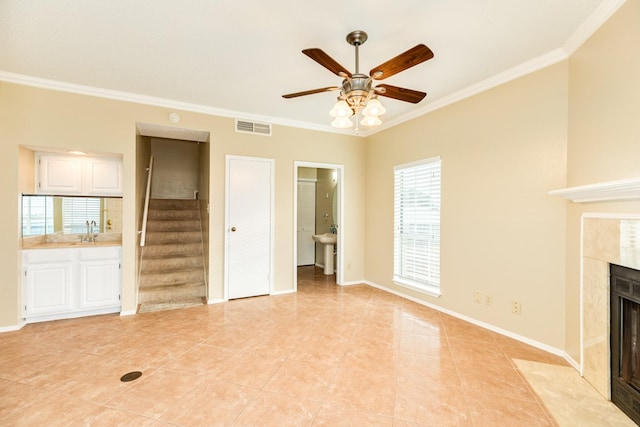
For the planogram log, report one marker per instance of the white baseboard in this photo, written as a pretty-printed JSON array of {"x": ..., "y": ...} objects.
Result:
[
  {"x": 353, "y": 282},
  {"x": 533, "y": 343},
  {"x": 285, "y": 292},
  {"x": 13, "y": 328},
  {"x": 216, "y": 301},
  {"x": 127, "y": 313}
]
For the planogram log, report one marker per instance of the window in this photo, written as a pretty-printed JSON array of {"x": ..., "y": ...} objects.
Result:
[
  {"x": 77, "y": 211},
  {"x": 37, "y": 215},
  {"x": 417, "y": 225}
]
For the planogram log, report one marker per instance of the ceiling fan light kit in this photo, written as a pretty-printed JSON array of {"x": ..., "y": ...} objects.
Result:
[{"x": 358, "y": 95}]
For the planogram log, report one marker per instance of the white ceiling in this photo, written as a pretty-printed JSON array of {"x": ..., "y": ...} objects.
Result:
[{"x": 237, "y": 57}]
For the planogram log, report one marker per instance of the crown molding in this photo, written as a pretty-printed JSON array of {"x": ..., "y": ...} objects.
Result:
[
  {"x": 624, "y": 189},
  {"x": 135, "y": 98},
  {"x": 592, "y": 24}
]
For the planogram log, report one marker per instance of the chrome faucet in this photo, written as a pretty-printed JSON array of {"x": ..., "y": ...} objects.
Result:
[
  {"x": 92, "y": 236},
  {"x": 89, "y": 237}
]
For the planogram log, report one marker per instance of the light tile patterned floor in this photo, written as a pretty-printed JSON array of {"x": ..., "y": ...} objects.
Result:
[{"x": 326, "y": 356}]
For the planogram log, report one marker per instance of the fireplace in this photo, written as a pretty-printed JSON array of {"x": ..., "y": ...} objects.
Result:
[{"x": 625, "y": 339}]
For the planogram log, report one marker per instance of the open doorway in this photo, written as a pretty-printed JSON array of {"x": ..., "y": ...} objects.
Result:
[
  {"x": 172, "y": 187},
  {"x": 317, "y": 205}
]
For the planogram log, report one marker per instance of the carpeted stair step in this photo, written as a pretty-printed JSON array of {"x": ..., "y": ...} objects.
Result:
[
  {"x": 167, "y": 263},
  {"x": 173, "y": 214},
  {"x": 173, "y": 249},
  {"x": 168, "y": 293},
  {"x": 171, "y": 277},
  {"x": 164, "y": 237},
  {"x": 180, "y": 204},
  {"x": 173, "y": 225},
  {"x": 148, "y": 307},
  {"x": 172, "y": 264}
]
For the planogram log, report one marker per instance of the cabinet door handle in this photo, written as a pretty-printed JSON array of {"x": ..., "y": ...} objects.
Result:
[{"x": 233, "y": 229}]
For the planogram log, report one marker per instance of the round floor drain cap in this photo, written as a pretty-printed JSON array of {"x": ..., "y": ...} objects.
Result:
[{"x": 130, "y": 376}]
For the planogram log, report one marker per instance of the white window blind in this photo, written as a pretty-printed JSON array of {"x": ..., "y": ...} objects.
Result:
[
  {"x": 417, "y": 225},
  {"x": 77, "y": 211}
]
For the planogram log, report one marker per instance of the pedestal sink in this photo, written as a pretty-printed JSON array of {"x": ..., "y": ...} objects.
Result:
[{"x": 328, "y": 240}]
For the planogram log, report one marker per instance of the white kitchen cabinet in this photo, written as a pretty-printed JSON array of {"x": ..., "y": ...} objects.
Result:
[
  {"x": 99, "y": 283},
  {"x": 58, "y": 174},
  {"x": 103, "y": 177},
  {"x": 48, "y": 288},
  {"x": 70, "y": 282},
  {"x": 64, "y": 175}
]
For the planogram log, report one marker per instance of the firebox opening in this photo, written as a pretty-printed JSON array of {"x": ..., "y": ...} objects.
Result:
[{"x": 625, "y": 345}]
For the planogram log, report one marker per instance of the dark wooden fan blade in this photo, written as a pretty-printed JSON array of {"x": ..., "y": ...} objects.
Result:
[
  {"x": 408, "y": 59},
  {"x": 311, "y": 92},
  {"x": 327, "y": 62},
  {"x": 400, "y": 93}
]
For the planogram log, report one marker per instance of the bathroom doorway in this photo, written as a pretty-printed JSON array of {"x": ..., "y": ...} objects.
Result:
[{"x": 327, "y": 180}]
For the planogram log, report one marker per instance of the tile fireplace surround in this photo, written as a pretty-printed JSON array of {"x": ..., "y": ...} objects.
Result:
[{"x": 605, "y": 240}]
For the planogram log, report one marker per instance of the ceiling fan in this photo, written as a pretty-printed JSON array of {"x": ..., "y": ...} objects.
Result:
[{"x": 357, "y": 92}]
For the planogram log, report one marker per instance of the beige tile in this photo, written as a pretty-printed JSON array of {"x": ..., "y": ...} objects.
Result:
[
  {"x": 203, "y": 359},
  {"x": 322, "y": 350},
  {"x": 428, "y": 368},
  {"x": 334, "y": 414},
  {"x": 212, "y": 403},
  {"x": 248, "y": 368},
  {"x": 302, "y": 380},
  {"x": 489, "y": 353},
  {"x": 156, "y": 393},
  {"x": 492, "y": 410},
  {"x": 271, "y": 409},
  {"x": 459, "y": 329},
  {"x": 569, "y": 398},
  {"x": 15, "y": 396},
  {"x": 437, "y": 405},
  {"x": 363, "y": 391},
  {"x": 499, "y": 380}
]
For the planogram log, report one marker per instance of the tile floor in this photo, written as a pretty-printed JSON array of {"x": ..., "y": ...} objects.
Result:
[{"x": 326, "y": 356}]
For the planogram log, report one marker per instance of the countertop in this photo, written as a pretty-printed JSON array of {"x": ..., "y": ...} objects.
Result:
[{"x": 61, "y": 245}]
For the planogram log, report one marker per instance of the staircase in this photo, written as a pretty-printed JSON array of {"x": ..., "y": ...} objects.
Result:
[{"x": 172, "y": 262}]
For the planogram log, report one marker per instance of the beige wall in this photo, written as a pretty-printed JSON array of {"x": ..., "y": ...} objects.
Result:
[
  {"x": 45, "y": 118},
  {"x": 175, "y": 169},
  {"x": 502, "y": 235},
  {"x": 604, "y": 134}
]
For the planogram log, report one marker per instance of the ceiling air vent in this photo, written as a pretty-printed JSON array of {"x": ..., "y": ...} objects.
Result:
[{"x": 246, "y": 126}]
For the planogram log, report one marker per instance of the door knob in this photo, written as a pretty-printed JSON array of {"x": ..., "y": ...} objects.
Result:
[{"x": 233, "y": 229}]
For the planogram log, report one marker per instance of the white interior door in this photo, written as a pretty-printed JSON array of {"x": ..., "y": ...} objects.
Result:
[
  {"x": 306, "y": 222},
  {"x": 249, "y": 226}
]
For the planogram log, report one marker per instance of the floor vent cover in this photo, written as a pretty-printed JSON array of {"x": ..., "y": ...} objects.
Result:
[
  {"x": 246, "y": 126},
  {"x": 130, "y": 376}
]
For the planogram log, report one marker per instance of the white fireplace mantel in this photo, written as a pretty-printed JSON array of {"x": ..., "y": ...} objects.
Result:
[{"x": 624, "y": 189}]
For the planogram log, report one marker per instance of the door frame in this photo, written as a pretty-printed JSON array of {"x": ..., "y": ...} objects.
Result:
[
  {"x": 340, "y": 232},
  {"x": 227, "y": 227}
]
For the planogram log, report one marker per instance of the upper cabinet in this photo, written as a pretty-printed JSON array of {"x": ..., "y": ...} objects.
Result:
[{"x": 62, "y": 174}]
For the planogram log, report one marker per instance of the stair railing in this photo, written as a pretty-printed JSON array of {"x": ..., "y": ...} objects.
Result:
[{"x": 145, "y": 213}]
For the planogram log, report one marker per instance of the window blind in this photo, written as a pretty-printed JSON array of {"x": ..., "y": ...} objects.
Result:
[
  {"x": 417, "y": 188},
  {"x": 77, "y": 211}
]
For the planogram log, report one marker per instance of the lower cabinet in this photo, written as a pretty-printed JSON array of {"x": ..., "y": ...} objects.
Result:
[{"x": 70, "y": 282}]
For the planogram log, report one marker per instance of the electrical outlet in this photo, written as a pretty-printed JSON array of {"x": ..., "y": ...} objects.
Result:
[
  {"x": 516, "y": 307},
  {"x": 478, "y": 297},
  {"x": 488, "y": 300}
]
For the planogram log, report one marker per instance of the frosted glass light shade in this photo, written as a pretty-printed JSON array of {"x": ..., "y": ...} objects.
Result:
[
  {"x": 370, "y": 121},
  {"x": 342, "y": 122},
  {"x": 341, "y": 109},
  {"x": 374, "y": 108}
]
